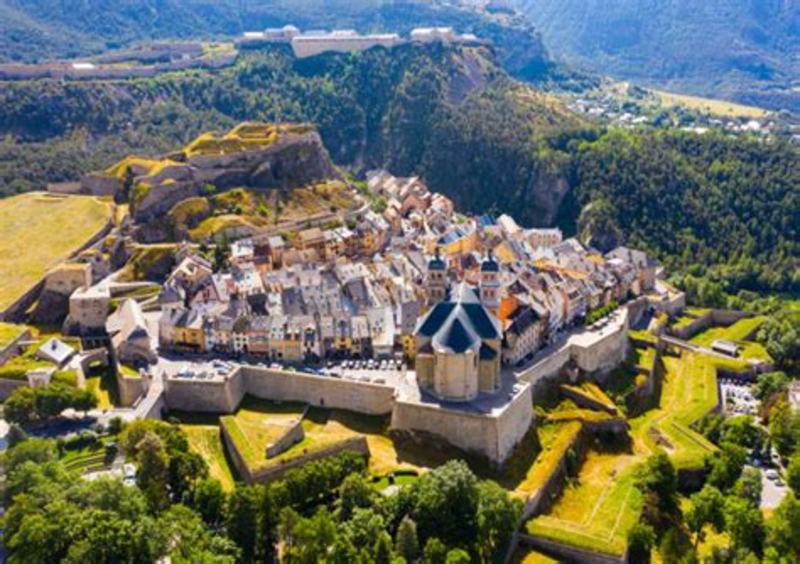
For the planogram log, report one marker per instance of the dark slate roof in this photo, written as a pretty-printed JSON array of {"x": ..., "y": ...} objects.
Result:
[
  {"x": 524, "y": 317},
  {"x": 455, "y": 337},
  {"x": 463, "y": 306},
  {"x": 436, "y": 263},
  {"x": 490, "y": 265}
]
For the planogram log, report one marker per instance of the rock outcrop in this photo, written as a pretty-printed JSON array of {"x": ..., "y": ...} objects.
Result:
[{"x": 251, "y": 155}]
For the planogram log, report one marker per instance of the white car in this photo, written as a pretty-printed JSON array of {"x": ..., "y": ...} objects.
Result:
[{"x": 772, "y": 474}]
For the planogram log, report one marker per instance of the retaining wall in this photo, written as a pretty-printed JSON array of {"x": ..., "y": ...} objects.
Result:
[
  {"x": 278, "y": 469},
  {"x": 12, "y": 349},
  {"x": 540, "y": 501},
  {"x": 206, "y": 396},
  {"x": 265, "y": 383},
  {"x": 293, "y": 435},
  {"x": 568, "y": 552},
  {"x": 490, "y": 436},
  {"x": 7, "y": 386}
]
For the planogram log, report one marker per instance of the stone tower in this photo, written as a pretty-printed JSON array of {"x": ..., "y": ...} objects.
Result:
[
  {"x": 436, "y": 280},
  {"x": 490, "y": 284}
]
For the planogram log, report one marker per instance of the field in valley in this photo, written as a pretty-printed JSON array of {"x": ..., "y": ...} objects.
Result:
[
  {"x": 721, "y": 108},
  {"x": 37, "y": 232}
]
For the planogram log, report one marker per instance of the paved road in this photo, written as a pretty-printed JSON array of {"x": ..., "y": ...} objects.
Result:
[{"x": 771, "y": 495}]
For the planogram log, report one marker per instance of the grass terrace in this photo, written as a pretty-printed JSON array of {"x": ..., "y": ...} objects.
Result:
[
  {"x": 9, "y": 332},
  {"x": 554, "y": 438},
  {"x": 103, "y": 382},
  {"x": 52, "y": 228},
  {"x": 591, "y": 391},
  {"x": 739, "y": 331},
  {"x": 206, "y": 441},
  {"x": 597, "y": 509}
]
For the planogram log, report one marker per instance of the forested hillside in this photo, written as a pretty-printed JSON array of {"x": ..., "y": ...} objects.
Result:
[
  {"x": 718, "y": 207},
  {"x": 744, "y": 50}
]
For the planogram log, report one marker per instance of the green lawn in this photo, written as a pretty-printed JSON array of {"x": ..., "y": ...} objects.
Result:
[
  {"x": 37, "y": 232},
  {"x": 9, "y": 332},
  {"x": 206, "y": 441},
  {"x": 103, "y": 383},
  {"x": 736, "y": 332}
]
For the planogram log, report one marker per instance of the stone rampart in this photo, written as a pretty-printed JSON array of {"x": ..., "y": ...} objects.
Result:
[
  {"x": 130, "y": 388},
  {"x": 278, "y": 469},
  {"x": 294, "y": 434},
  {"x": 266, "y": 383},
  {"x": 12, "y": 349},
  {"x": 493, "y": 436},
  {"x": 541, "y": 499},
  {"x": 569, "y": 553},
  {"x": 7, "y": 386},
  {"x": 219, "y": 395}
]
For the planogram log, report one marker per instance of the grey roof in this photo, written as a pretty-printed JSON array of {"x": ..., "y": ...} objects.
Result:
[
  {"x": 55, "y": 350},
  {"x": 457, "y": 322}
]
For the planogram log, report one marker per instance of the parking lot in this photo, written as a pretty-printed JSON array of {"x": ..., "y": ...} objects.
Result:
[{"x": 738, "y": 398}]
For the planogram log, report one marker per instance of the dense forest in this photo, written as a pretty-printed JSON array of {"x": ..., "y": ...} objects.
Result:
[
  {"x": 720, "y": 208},
  {"x": 325, "y": 511}
]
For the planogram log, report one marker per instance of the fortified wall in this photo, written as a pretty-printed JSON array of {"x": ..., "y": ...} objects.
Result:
[{"x": 593, "y": 352}]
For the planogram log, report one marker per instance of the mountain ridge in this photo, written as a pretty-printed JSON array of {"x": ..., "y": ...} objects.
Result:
[{"x": 747, "y": 51}]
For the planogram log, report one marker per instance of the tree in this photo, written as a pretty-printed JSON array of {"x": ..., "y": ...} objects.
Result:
[
  {"x": 182, "y": 537},
  {"x": 793, "y": 473},
  {"x": 657, "y": 475},
  {"x": 152, "y": 473},
  {"x": 16, "y": 435},
  {"x": 726, "y": 466},
  {"x": 673, "y": 546},
  {"x": 185, "y": 468},
  {"x": 242, "y": 523},
  {"x": 744, "y": 523},
  {"x": 209, "y": 499},
  {"x": 435, "y": 551},
  {"x": 768, "y": 384},
  {"x": 741, "y": 430},
  {"x": 782, "y": 528},
  {"x": 308, "y": 540},
  {"x": 407, "y": 543},
  {"x": 641, "y": 540},
  {"x": 364, "y": 527},
  {"x": 784, "y": 428},
  {"x": 497, "y": 515},
  {"x": 706, "y": 509},
  {"x": 354, "y": 492},
  {"x": 446, "y": 505},
  {"x": 383, "y": 551},
  {"x": 749, "y": 486},
  {"x": 457, "y": 556}
]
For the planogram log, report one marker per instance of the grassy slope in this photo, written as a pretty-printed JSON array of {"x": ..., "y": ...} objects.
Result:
[
  {"x": 39, "y": 231},
  {"x": 597, "y": 510},
  {"x": 720, "y": 108}
]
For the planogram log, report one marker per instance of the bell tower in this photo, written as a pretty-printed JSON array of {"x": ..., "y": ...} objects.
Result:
[{"x": 490, "y": 284}]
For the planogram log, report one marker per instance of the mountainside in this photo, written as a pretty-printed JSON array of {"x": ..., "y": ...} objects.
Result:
[
  {"x": 746, "y": 50},
  {"x": 35, "y": 30},
  {"x": 452, "y": 116}
]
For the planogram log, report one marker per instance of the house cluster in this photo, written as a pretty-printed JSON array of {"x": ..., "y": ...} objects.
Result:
[
  {"x": 366, "y": 290},
  {"x": 310, "y": 43}
]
